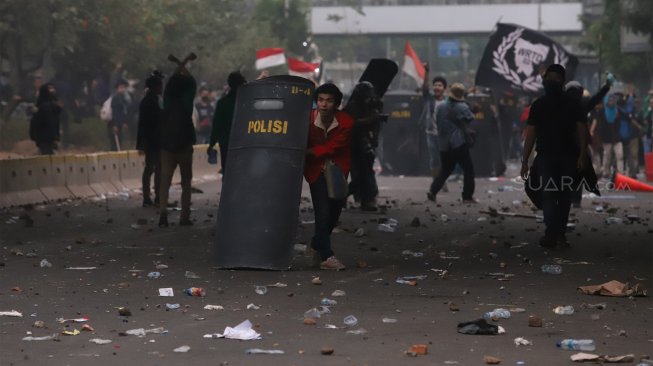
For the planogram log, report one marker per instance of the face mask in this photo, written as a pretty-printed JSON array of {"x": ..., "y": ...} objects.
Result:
[{"x": 551, "y": 87}]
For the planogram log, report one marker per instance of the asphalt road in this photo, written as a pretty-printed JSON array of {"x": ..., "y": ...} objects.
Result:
[{"x": 122, "y": 241}]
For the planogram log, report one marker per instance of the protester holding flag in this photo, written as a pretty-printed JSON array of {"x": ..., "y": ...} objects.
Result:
[{"x": 558, "y": 124}]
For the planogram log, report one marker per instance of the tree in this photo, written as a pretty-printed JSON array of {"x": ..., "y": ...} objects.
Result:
[
  {"x": 603, "y": 38},
  {"x": 287, "y": 21}
]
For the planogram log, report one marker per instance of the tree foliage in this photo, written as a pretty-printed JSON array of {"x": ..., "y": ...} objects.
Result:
[
  {"x": 603, "y": 37},
  {"x": 80, "y": 39}
]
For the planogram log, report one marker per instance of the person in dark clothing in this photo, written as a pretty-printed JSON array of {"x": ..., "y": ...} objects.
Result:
[
  {"x": 177, "y": 139},
  {"x": 119, "y": 116},
  {"x": 223, "y": 118},
  {"x": 575, "y": 90},
  {"x": 44, "y": 124},
  {"x": 558, "y": 124},
  {"x": 365, "y": 108},
  {"x": 147, "y": 137},
  {"x": 452, "y": 117}
]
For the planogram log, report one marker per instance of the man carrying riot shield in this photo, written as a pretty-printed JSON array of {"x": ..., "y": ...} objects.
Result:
[{"x": 365, "y": 108}]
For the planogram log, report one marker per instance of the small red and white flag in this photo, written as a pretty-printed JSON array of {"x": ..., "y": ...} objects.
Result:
[
  {"x": 413, "y": 65},
  {"x": 302, "y": 68},
  {"x": 269, "y": 57}
]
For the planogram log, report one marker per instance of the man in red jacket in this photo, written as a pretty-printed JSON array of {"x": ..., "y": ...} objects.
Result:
[{"x": 329, "y": 139}]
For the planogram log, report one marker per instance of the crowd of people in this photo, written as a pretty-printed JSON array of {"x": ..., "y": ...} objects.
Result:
[{"x": 570, "y": 131}]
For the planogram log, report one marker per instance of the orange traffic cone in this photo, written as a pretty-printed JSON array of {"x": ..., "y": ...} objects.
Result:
[{"x": 624, "y": 183}]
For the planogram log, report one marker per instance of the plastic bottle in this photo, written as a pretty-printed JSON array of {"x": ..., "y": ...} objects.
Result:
[
  {"x": 195, "y": 291},
  {"x": 386, "y": 228},
  {"x": 328, "y": 302},
  {"x": 552, "y": 269},
  {"x": 261, "y": 290},
  {"x": 577, "y": 344},
  {"x": 350, "y": 320},
  {"x": 497, "y": 314},
  {"x": 564, "y": 310}
]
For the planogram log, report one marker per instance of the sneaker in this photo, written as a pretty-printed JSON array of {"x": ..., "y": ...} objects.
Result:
[
  {"x": 430, "y": 196},
  {"x": 470, "y": 200},
  {"x": 562, "y": 242},
  {"x": 147, "y": 202},
  {"x": 332, "y": 263}
]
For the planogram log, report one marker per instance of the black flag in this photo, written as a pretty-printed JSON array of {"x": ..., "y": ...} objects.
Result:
[{"x": 514, "y": 57}]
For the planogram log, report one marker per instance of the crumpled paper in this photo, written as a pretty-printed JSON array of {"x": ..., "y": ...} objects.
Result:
[
  {"x": 589, "y": 357},
  {"x": 614, "y": 288},
  {"x": 242, "y": 331}
]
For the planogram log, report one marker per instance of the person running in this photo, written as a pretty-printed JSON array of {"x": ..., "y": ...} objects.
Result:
[
  {"x": 454, "y": 142},
  {"x": 329, "y": 140}
]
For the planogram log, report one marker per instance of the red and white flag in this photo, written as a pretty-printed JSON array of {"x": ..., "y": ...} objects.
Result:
[
  {"x": 413, "y": 66},
  {"x": 269, "y": 57},
  {"x": 302, "y": 68}
]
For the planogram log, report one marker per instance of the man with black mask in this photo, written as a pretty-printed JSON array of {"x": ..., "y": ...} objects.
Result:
[{"x": 558, "y": 125}]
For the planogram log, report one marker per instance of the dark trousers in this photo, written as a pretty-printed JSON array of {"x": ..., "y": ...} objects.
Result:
[
  {"x": 169, "y": 161},
  {"x": 46, "y": 148},
  {"x": 449, "y": 160},
  {"x": 115, "y": 139},
  {"x": 363, "y": 180},
  {"x": 559, "y": 184},
  {"x": 327, "y": 212},
  {"x": 152, "y": 165},
  {"x": 223, "y": 157}
]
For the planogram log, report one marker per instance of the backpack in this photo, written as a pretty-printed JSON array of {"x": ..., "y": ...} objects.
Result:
[{"x": 105, "y": 111}]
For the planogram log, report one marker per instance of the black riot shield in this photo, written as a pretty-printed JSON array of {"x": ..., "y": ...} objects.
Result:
[{"x": 259, "y": 203}]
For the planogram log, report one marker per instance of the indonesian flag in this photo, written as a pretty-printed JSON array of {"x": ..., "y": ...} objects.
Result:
[
  {"x": 269, "y": 57},
  {"x": 413, "y": 66},
  {"x": 302, "y": 68}
]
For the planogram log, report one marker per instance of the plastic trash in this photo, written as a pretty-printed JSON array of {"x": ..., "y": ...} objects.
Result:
[
  {"x": 261, "y": 290},
  {"x": 328, "y": 302},
  {"x": 479, "y": 326},
  {"x": 195, "y": 291},
  {"x": 172, "y": 306},
  {"x": 45, "y": 264},
  {"x": 520, "y": 341},
  {"x": 387, "y": 228},
  {"x": 564, "y": 310},
  {"x": 316, "y": 313},
  {"x": 154, "y": 275},
  {"x": 444, "y": 218},
  {"x": 253, "y": 307},
  {"x": 123, "y": 195},
  {"x": 497, "y": 314},
  {"x": 576, "y": 344},
  {"x": 182, "y": 349},
  {"x": 258, "y": 351},
  {"x": 359, "y": 331},
  {"x": 389, "y": 320},
  {"x": 100, "y": 341},
  {"x": 350, "y": 320},
  {"x": 338, "y": 293},
  {"x": 614, "y": 220},
  {"x": 44, "y": 338},
  {"x": 166, "y": 291},
  {"x": 213, "y": 307},
  {"x": 190, "y": 274},
  {"x": 13, "y": 313},
  {"x": 552, "y": 269}
]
